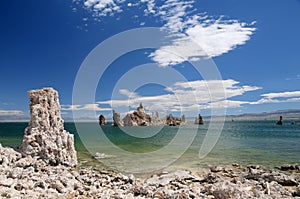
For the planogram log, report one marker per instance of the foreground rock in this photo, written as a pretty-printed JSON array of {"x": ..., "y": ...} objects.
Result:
[
  {"x": 43, "y": 169},
  {"x": 45, "y": 137},
  {"x": 26, "y": 177}
]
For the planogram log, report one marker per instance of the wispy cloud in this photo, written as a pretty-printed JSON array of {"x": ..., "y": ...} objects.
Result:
[
  {"x": 128, "y": 93},
  {"x": 103, "y": 7},
  {"x": 282, "y": 94},
  {"x": 188, "y": 96},
  {"x": 297, "y": 77},
  {"x": 197, "y": 35},
  {"x": 11, "y": 113},
  {"x": 280, "y": 97},
  {"x": 194, "y": 35},
  {"x": 203, "y": 40},
  {"x": 85, "y": 107}
]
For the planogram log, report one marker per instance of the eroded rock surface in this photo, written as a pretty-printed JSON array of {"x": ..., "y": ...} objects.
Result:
[
  {"x": 137, "y": 118},
  {"x": 172, "y": 121},
  {"x": 26, "y": 177},
  {"x": 117, "y": 119},
  {"x": 45, "y": 136}
]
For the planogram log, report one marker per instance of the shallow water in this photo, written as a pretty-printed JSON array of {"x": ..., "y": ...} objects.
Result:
[{"x": 145, "y": 149}]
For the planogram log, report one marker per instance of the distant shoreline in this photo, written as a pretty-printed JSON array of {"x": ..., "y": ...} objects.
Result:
[
  {"x": 288, "y": 114},
  {"x": 190, "y": 122}
]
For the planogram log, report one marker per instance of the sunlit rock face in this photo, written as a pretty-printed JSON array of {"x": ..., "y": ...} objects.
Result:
[
  {"x": 117, "y": 119},
  {"x": 137, "y": 118},
  {"x": 45, "y": 136}
]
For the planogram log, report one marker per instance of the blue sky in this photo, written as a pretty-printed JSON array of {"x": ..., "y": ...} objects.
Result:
[{"x": 254, "y": 44}]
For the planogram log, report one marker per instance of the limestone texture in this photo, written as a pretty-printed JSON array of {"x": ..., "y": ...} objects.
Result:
[{"x": 45, "y": 137}]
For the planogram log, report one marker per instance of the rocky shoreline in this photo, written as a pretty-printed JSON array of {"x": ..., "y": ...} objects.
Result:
[{"x": 27, "y": 177}]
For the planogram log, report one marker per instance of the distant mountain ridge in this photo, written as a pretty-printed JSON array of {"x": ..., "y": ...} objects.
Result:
[{"x": 286, "y": 114}]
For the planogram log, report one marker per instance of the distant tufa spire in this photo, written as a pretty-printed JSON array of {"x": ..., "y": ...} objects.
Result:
[
  {"x": 141, "y": 108},
  {"x": 199, "y": 120},
  {"x": 279, "y": 122},
  {"x": 141, "y": 105}
]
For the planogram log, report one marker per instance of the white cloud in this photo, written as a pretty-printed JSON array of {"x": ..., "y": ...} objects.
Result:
[
  {"x": 203, "y": 40},
  {"x": 295, "y": 99},
  {"x": 85, "y": 107},
  {"x": 103, "y": 7},
  {"x": 174, "y": 13},
  {"x": 215, "y": 88},
  {"x": 220, "y": 37},
  {"x": 150, "y": 6},
  {"x": 280, "y": 97},
  {"x": 127, "y": 93},
  {"x": 195, "y": 35},
  {"x": 227, "y": 104},
  {"x": 11, "y": 113},
  {"x": 264, "y": 101},
  {"x": 188, "y": 97},
  {"x": 297, "y": 77},
  {"x": 282, "y": 94}
]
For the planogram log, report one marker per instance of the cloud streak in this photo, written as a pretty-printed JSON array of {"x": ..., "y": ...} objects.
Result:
[
  {"x": 197, "y": 35},
  {"x": 280, "y": 97},
  {"x": 194, "y": 35},
  {"x": 187, "y": 97},
  {"x": 11, "y": 113},
  {"x": 85, "y": 107},
  {"x": 203, "y": 41},
  {"x": 282, "y": 94},
  {"x": 103, "y": 7}
]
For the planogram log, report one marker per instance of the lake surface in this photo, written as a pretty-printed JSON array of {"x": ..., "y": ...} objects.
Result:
[{"x": 146, "y": 149}]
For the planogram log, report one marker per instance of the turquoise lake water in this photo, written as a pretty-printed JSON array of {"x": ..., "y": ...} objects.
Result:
[{"x": 138, "y": 149}]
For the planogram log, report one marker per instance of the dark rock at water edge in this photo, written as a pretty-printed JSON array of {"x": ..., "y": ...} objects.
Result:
[
  {"x": 172, "y": 121},
  {"x": 101, "y": 120},
  {"x": 279, "y": 122},
  {"x": 290, "y": 167},
  {"x": 199, "y": 120}
]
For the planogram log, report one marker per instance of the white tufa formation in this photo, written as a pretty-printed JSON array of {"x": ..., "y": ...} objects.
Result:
[{"x": 45, "y": 137}]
